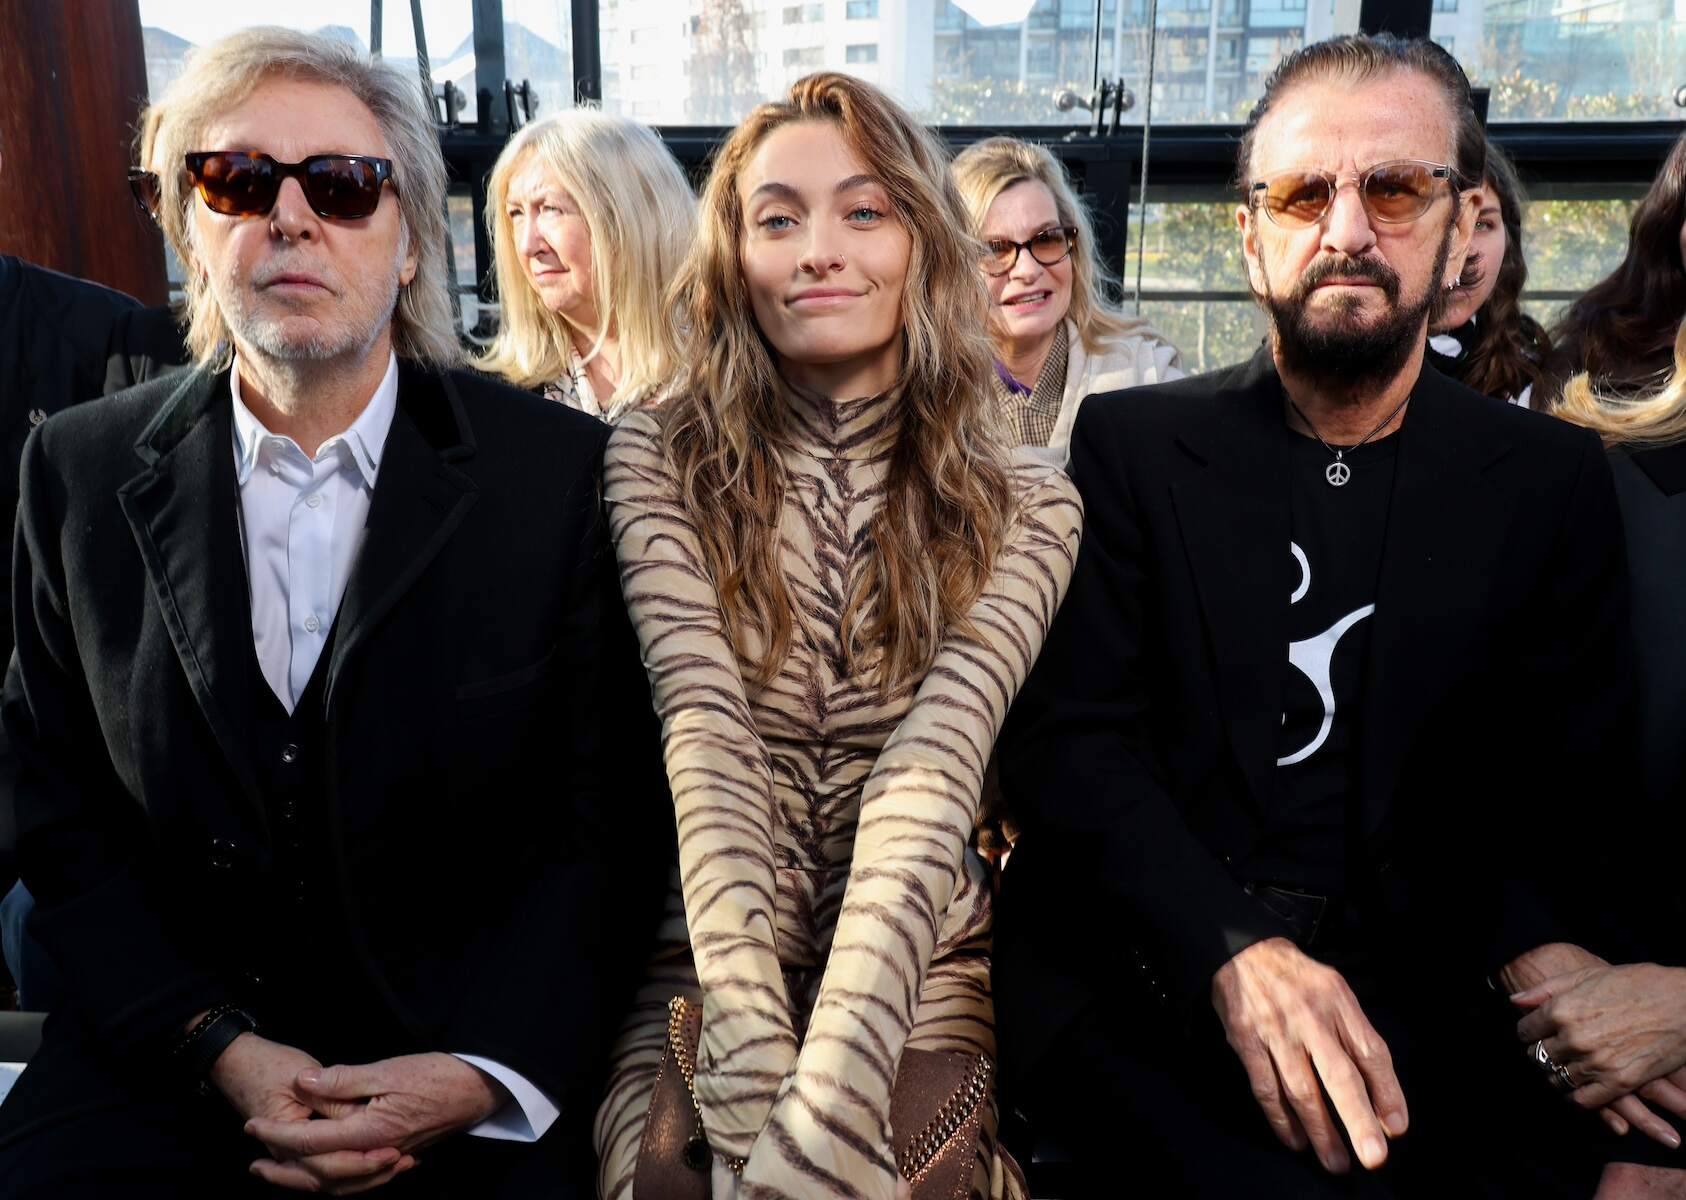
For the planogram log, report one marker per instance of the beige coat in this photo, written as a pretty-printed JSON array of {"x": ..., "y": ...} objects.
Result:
[{"x": 1139, "y": 357}]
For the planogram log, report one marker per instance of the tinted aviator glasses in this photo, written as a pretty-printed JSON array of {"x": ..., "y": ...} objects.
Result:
[
  {"x": 345, "y": 187},
  {"x": 1394, "y": 193},
  {"x": 1048, "y": 247}
]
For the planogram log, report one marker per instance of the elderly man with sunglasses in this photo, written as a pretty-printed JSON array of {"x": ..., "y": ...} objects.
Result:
[
  {"x": 1343, "y": 663},
  {"x": 321, "y": 673}
]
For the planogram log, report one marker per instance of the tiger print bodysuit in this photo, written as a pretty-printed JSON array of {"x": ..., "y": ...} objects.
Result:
[{"x": 826, "y": 909}]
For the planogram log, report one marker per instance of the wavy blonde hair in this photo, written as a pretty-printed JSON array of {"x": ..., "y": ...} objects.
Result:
[
  {"x": 985, "y": 169},
  {"x": 948, "y": 499},
  {"x": 220, "y": 76},
  {"x": 640, "y": 212},
  {"x": 1658, "y": 419}
]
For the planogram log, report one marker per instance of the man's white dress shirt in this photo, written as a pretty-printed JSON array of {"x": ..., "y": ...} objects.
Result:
[{"x": 302, "y": 521}]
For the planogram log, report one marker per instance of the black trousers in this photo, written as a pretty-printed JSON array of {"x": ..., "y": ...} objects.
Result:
[
  {"x": 1144, "y": 1101},
  {"x": 76, "y": 1127}
]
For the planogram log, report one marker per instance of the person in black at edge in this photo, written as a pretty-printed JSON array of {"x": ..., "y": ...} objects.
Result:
[
  {"x": 322, "y": 684},
  {"x": 1312, "y": 735},
  {"x": 55, "y": 331},
  {"x": 69, "y": 340}
]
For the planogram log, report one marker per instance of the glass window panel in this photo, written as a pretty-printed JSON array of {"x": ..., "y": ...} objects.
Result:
[
  {"x": 478, "y": 317},
  {"x": 1211, "y": 334},
  {"x": 1213, "y": 55},
  {"x": 930, "y": 54},
  {"x": 1571, "y": 59},
  {"x": 170, "y": 28},
  {"x": 1194, "y": 247},
  {"x": 538, "y": 47}
]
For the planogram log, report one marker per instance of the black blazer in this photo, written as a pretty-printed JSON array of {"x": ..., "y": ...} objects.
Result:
[
  {"x": 1139, "y": 756},
  {"x": 145, "y": 343},
  {"x": 498, "y": 817},
  {"x": 55, "y": 337}
]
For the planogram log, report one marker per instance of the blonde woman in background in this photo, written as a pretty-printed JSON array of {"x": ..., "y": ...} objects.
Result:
[
  {"x": 590, "y": 217},
  {"x": 1057, "y": 338}
]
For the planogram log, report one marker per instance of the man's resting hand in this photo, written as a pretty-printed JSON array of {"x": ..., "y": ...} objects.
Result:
[
  {"x": 392, "y": 1107},
  {"x": 258, "y": 1077},
  {"x": 1295, "y": 1022}
]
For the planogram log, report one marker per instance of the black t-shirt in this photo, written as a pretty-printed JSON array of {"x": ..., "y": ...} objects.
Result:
[{"x": 1337, "y": 535}]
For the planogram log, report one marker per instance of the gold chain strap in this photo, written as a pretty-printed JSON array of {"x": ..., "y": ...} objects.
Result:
[
  {"x": 697, "y": 1149},
  {"x": 953, "y": 1114}
]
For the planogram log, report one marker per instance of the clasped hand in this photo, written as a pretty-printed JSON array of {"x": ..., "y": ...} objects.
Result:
[
  {"x": 1620, "y": 1034},
  {"x": 346, "y": 1129},
  {"x": 1299, "y": 1030}
]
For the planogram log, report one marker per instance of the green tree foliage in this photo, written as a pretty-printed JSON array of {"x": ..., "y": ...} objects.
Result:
[{"x": 1196, "y": 247}]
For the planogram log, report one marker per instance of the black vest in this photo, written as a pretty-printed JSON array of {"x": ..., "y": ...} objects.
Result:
[{"x": 311, "y": 985}]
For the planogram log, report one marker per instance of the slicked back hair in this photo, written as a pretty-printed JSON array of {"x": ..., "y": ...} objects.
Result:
[{"x": 1359, "y": 57}]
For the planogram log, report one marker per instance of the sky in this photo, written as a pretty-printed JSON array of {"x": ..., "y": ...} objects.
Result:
[{"x": 448, "y": 22}]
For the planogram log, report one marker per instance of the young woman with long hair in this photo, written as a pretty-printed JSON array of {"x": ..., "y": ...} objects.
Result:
[
  {"x": 1057, "y": 337},
  {"x": 840, "y": 577},
  {"x": 590, "y": 217},
  {"x": 1482, "y": 337},
  {"x": 1621, "y": 332}
]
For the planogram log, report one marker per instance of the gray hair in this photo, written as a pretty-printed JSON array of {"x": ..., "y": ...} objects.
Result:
[{"x": 221, "y": 76}]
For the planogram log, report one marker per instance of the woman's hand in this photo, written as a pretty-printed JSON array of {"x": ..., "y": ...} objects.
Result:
[
  {"x": 795, "y": 1147},
  {"x": 1616, "y": 1031}
]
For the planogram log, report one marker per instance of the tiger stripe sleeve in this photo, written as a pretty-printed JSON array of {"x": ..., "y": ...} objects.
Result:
[
  {"x": 721, "y": 778},
  {"x": 917, "y": 811}
]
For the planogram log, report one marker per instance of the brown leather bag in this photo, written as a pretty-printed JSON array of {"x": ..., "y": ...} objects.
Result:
[{"x": 936, "y": 1114}]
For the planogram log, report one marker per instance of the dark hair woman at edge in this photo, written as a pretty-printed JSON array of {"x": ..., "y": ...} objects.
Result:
[
  {"x": 1482, "y": 337},
  {"x": 1647, "y": 440},
  {"x": 840, "y": 576},
  {"x": 1622, "y": 1028},
  {"x": 1621, "y": 332}
]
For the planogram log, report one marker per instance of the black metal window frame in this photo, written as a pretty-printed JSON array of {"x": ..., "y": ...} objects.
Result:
[{"x": 1583, "y": 159}]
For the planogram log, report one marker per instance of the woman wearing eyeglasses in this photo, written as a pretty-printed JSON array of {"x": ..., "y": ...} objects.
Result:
[
  {"x": 1057, "y": 338},
  {"x": 590, "y": 218}
]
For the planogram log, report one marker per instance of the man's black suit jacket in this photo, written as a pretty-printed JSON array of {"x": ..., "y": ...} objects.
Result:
[
  {"x": 1138, "y": 759},
  {"x": 497, "y": 810}
]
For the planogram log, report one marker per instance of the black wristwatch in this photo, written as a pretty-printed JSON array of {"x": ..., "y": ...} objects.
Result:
[{"x": 198, "y": 1049}]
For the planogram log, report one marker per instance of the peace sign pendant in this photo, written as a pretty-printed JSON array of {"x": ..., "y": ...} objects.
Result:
[{"x": 1337, "y": 473}]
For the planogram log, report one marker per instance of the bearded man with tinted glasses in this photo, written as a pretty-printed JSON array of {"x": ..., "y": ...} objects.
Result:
[
  {"x": 321, "y": 669},
  {"x": 1343, "y": 660}
]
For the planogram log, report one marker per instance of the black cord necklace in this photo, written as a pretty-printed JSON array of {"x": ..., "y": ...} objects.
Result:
[{"x": 1338, "y": 473}]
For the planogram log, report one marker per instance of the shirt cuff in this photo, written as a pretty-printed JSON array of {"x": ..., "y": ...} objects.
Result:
[{"x": 529, "y": 1113}]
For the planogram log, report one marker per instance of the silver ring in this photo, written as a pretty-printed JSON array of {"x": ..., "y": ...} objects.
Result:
[{"x": 1558, "y": 1074}]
